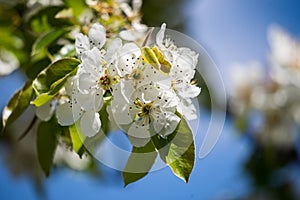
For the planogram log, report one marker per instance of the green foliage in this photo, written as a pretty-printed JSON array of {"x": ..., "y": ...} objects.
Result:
[
  {"x": 139, "y": 163},
  {"x": 44, "y": 19},
  {"x": 77, "y": 6},
  {"x": 105, "y": 124},
  {"x": 46, "y": 143},
  {"x": 52, "y": 79},
  {"x": 47, "y": 39},
  {"x": 77, "y": 137},
  {"x": 17, "y": 104},
  {"x": 178, "y": 150}
]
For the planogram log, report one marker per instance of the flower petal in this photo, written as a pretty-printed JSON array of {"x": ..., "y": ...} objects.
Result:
[
  {"x": 45, "y": 111},
  {"x": 97, "y": 35},
  {"x": 138, "y": 131},
  {"x": 187, "y": 109},
  {"x": 91, "y": 62},
  {"x": 186, "y": 90},
  {"x": 172, "y": 121},
  {"x": 138, "y": 142},
  {"x": 67, "y": 114},
  {"x": 159, "y": 121},
  {"x": 120, "y": 111},
  {"x": 86, "y": 83},
  {"x": 90, "y": 101},
  {"x": 113, "y": 49},
  {"x": 90, "y": 123},
  {"x": 81, "y": 44},
  {"x": 160, "y": 36}
]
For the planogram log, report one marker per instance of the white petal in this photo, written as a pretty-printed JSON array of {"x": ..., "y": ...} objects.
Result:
[
  {"x": 138, "y": 131},
  {"x": 91, "y": 62},
  {"x": 90, "y": 101},
  {"x": 97, "y": 35},
  {"x": 187, "y": 109},
  {"x": 188, "y": 91},
  {"x": 90, "y": 123},
  {"x": 172, "y": 121},
  {"x": 167, "y": 99},
  {"x": 45, "y": 111},
  {"x": 86, "y": 83},
  {"x": 127, "y": 35},
  {"x": 126, "y": 9},
  {"x": 120, "y": 111},
  {"x": 160, "y": 35},
  {"x": 131, "y": 48},
  {"x": 113, "y": 49},
  {"x": 138, "y": 142},
  {"x": 81, "y": 44},
  {"x": 127, "y": 58},
  {"x": 67, "y": 114},
  {"x": 159, "y": 121}
]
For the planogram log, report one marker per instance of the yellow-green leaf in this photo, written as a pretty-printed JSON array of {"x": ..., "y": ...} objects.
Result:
[
  {"x": 178, "y": 150},
  {"x": 17, "y": 104},
  {"x": 52, "y": 79},
  {"x": 139, "y": 163},
  {"x": 77, "y": 137}
]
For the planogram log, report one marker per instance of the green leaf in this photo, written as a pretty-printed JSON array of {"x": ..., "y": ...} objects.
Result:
[
  {"x": 104, "y": 119},
  {"x": 77, "y": 6},
  {"x": 77, "y": 137},
  {"x": 178, "y": 150},
  {"x": 52, "y": 79},
  {"x": 43, "y": 20},
  {"x": 139, "y": 163},
  {"x": 46, "y": 39},
  {"x": 17, "y": 104},
  {"x": 46, "y": 143}
]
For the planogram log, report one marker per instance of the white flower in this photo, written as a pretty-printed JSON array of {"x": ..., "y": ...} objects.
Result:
[
  {"x": 137, "y": 32},
  {"x": 285, "y": 57},
  {"x": 147, "y": 111},
  {"x": 96, "y": 38},
  {"x": 45, "y": 112},
  {"x": 79, "y": 106},
  {"x": 184, "y": 62},
  {"x": 134, "y": 71}
]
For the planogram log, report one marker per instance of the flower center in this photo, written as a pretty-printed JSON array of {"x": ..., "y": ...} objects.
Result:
[
  {"x": 144, "y": 108},
  {"x": 106, "y": 81}
]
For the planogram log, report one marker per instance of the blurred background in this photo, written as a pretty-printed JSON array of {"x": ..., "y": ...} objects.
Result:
[{"x": 255, "y": 45}]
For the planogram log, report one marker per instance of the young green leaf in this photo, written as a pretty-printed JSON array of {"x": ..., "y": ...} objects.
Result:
[
  {"x": 77, "y": 137},
  {"x": 17, "y": 104},
  {"x": 104, "y": 119},
  {"x": 47, "y": 39},
  {"x": 178, "y": 150},
  {"x": 77, "y": 6},
  {"x": 52, "y": 79},
  {"x": 139, "y": 163},
  {"x": 46, "y": 143}
]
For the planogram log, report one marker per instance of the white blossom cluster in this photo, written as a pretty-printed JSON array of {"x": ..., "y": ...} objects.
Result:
[
  {"x": 144, "y": 87},
  {"x": 273, "y": 94}
]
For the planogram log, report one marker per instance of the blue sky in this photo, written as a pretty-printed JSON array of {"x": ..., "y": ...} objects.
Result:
[{"x": 231, "y": 31}]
